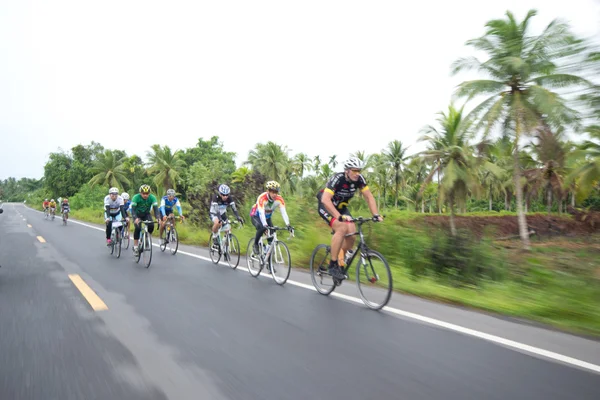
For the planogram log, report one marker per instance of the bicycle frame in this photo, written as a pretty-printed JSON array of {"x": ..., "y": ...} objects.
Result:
[{"x": 361, "y": 247}]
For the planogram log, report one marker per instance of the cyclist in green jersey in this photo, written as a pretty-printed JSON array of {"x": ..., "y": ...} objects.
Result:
[{"x": 141, "y": 204}]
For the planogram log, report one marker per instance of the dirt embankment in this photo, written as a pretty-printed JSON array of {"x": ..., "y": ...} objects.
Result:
[{"x": 578, "y": 223}]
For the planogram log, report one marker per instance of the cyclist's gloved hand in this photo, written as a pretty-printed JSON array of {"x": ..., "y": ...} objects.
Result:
[
  {"x": 290, "y": 228},
  {"x": 377, "y": 218},
  {"x": 241, "y": 220}
]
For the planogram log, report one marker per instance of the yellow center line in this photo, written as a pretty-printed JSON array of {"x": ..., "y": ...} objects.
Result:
[
  {"x": 41, "y": 239},
  {"x": 87, "y": 292}
]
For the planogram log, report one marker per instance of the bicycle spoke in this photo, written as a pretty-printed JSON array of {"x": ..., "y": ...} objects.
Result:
[{"x": 374, "y": 280}]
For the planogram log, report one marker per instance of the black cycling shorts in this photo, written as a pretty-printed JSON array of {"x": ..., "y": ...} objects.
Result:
[{"x": 327, "y": 217}]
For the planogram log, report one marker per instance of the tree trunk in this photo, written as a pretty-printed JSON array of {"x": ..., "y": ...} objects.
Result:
[
  {"x": 506, "y": 202},
  {"x": 422, "y": 206},
  {"x": 397, "y": 184},
  {"x": 491, "y": 198},
  {"x": 549, "y": 200},
  {"x": 452, "y": 224},
  {"x": 522, "y": 219},
  {"x": 573, "y": 199},
  {"x": 439, "y": 201}
]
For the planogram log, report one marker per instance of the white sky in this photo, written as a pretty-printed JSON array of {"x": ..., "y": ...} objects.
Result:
[{"x": 320, "y": 76}]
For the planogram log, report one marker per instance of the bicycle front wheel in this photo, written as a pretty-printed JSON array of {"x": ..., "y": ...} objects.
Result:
[
  {"x": 319, "y": 263},
  {"x": 214, "y": 250},
  {"x": 126, "y": 236},
  {"x": 161, "y": 239},
  {"x": 232, "y": 251},
  {"x": 280, "y": 262},
  {"x": 253, "y": 260},
  {"x": 173, "y": 241},
  {"x": 374, "y": 280},
  {"x": 147, "y": 249}
]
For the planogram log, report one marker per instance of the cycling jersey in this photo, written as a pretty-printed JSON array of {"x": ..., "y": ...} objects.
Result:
[
  {"x": 127, "y": 205},
  {"x": 46, "y": 204},
  {"x": 52, "y": 205},
  {"x": 166, "y": 205},
  {"x": 342, "y": 189},
  {"x": 139, "y": 206},
  {"x": 113, "y": 207},
  {"x": 218, "y": 206},
  {"x": 65, "y": 207},
  {"x": 264, "y": 208}
]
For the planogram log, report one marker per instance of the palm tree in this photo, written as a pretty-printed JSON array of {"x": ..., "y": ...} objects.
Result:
[
  {"x": 301, "y": 164},
  {"x": 396, "y": 156},
  {"x": 167, "y": 164},
  {"x": 523, "y": 68},
  {"x": 332, "y": 161},
  {"x": 269, "y": 159},
  {"x": 109, "y": 170},
  {"x": 455, "y": 159},
  {"x": 316, "y": 164},
  {"x": 239, "y": 175},
  {"x": 587, "y": 174}
]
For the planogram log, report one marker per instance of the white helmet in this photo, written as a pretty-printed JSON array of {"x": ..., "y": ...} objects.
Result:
[
  {"x": 354, "y": 162},
  {"x": 224, "y": 189},
  {"x": 113, "y": 190},
  {"x": 170, "y": 192},
  {"x": 125, "y": 196}
]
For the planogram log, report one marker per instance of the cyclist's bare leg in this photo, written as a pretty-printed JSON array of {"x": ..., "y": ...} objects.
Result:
[
  {"x": 216, "y": 225},
  {"x": 340, "y": 229}
]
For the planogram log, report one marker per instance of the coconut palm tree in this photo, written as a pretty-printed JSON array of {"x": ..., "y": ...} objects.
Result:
[
  {"x": 523, "y": 69},
  {"x": 396, "y": 155},
  {"x": 269, "y": 159},
  {"x": 167, "y": 165},
  {"x": 109, "y": 170}
]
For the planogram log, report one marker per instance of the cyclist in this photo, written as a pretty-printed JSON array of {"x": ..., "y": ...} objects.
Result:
[
  {"x": 46, "y": 205},
  {"x": 333, "y": 202},
  {"x": 166, "y": 209},
  {"x": 218, "y": 210},
  {"x": 127, "y": 207},
  {"x": 65, "y": 208},
  {"x": 262, "y": 211},
  {"x": 52, "y": 206},
  {"x": 113, "y": 208},
  {"x": 140, "y": 211}
]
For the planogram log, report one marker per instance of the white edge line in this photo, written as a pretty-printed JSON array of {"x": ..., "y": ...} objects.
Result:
[{"x": 432, "y": 321}]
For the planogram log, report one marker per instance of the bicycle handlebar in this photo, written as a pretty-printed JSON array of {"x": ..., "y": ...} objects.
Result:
[{"x": 362, "y": 220}]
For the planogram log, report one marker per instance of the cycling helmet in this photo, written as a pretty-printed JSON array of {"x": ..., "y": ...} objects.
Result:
[
  {"x": 45, "y": 199},
  {"x": 145, "y": 189},
  {"x": 171, "y": 192},
  {"x": 113, "y": 190},
  {"x": 65, "y": 200},
  {"x": 52, "y": 201},
  {"x": 354, "y": 162},
  {"x": 224, "y": 189},
  {"x": 125, "y": 196},
  {"x": 273, "y": 185}
]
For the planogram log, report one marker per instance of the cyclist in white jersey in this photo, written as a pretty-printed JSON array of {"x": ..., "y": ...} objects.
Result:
[{"x": 113, "y": 208}]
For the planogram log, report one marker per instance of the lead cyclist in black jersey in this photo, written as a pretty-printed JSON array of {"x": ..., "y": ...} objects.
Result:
[{"x": 333, "y": 208}]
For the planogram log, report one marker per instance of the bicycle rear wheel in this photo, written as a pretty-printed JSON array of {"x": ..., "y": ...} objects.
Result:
[
  {"x": 319, "y": 263},
  {"x": 280, "y": 262},
  {"x": 111, "y": 248},
  {"x": 253, "y": 260},
  {"x": 232, "y": 251},
  {"x": 118, "y": 242},
  {"x": 126, "y": 236},
  {"x": 161, "y": 239},
  {"x": 374, "y": 280},
  {"x": 147, "y": 249},
  {"x": 140, "y": 248},
  {"x": 173, "y": 241},
  {"x": 214, "y": 250}
]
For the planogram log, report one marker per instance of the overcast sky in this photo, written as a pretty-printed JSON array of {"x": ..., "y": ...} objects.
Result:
[{"x": 322, "y": 77}]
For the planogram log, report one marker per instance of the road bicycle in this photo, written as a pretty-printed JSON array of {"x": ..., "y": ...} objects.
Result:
[
  {"x": 373, "y": 274},
  {"x": 172, "y": 239},
  {"x": 275, "y": 255},
  {"x": 144, "y": 245},
  {"x": 226, "y": 245}
]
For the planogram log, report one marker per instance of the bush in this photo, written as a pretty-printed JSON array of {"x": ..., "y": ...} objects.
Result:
[{"x": 89, "y": 197}]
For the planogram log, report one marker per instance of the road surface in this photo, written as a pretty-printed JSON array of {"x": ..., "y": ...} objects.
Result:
[{"x": 188, "y": 329}]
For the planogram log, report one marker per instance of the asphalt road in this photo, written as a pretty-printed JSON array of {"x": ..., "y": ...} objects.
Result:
[{"x": 188, "y": 329}]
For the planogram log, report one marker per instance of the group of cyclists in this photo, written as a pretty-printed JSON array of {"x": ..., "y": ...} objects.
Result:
[
  {"x": 332, "y": 207},
  {"x": 50, "y": 207}
]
